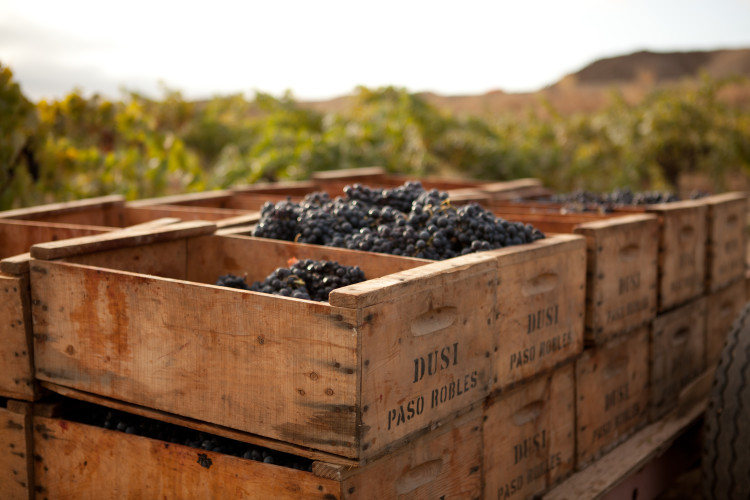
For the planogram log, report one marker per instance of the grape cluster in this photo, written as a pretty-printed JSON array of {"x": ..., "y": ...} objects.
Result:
[
  {"x": 406, "y": 220},
  {"x": 581, "y": 201},
  {"x": 306, "y": 279},
  {"x": 133, "y": 424}
]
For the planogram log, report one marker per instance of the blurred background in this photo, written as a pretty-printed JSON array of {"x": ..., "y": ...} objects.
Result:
[{"x": 154, "y": 98}]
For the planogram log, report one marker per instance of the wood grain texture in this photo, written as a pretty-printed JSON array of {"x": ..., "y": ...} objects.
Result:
[
  {"x": 540, "y": 304},
  {"x": 605, "y": 474},
  {"x": 16, "y": 469},
  {"x": 16, "y": 354},
  {"x": 682, "y": 252},
  {"x": 119, "y": 239},
  {"x": 529, "y": 436},
  {"x": 444, "y": 463},
  {"x": 677, "y": 357},
  {"x": 78, "y": 461},
  {"x": 612, "y": 382},
  {"x": 182, "y": 348},
  {"x": 99, "y": 211},
  {"x": 427, "y": 346},
  {"x": 725, "y": 250},
  {"x": 621, "y": 284},
  {"x": 18, "y": 236},
  {"x": 136, "y": 215}
]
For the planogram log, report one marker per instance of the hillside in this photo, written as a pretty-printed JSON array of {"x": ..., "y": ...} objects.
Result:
[{"x": 633, "y": 75}]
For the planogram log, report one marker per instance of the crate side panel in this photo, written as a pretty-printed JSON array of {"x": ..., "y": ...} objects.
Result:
[
  {"x": 427, "y": 351},
  {"x": 622, "y": 275},
  {"x": 611, "y": 394},
  {"x": 541, "y": 305},
  {"x": 79, "y": 461},
  {"x": 725, "y": 252},
  {"x": 17, "y": 236},
  {"x": 682, "y": 254},
  {"x": 16, "y": 356},
  {"x": 165, "y": 259},
  {"x": 281, "y": 368},
  {"x": 677, "y": 354},
  {"x": 529, "y": 436},
  {"x": 444, "y": 463}
]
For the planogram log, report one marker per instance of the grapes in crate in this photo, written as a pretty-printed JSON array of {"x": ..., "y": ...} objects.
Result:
[
  {"x": 406, "y": 220},
  {"x": 304, "y": 279}
]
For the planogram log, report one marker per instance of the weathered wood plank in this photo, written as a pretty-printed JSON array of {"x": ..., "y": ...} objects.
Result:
[
  {"x": 99, "y": 211},
  {"x": 722, "y": 308},
  {"x": 16, "y": 469},
  {"x": 18, "y": 236},
  {"x": 78, "y": 461},
  {"x": 182, "y": 348},
  {"x": 725, "y": 251},
  {"x": 612, "y": 382},
  {"x": 529, "y": 436},
  {"x": 540, "y": 305},
  {"x": 621, "y": 286},
  {"x": 678, "y": 344},
  {"x": 628, "y": 458},
  {"x": 16, "y": 355},
  {"x": 119, "y": 239}
]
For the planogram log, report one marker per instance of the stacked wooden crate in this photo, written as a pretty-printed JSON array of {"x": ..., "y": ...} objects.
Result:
[{"x": 463, "y": 378}]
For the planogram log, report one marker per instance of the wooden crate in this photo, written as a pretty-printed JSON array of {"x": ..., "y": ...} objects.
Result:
[
  {"x": 382, "y": 360},
  {"x": 611, "y": 394},
  {"x": 529, "y": 436},
  {"x": 16, "y": 350},
  {"x": 682, "y": 252},
  {"x": 80, "y": 461},
  {"x": 722, "y": 308},
  {"x": 113, "y": 212},
  {"x": 16, "y": 467},
  {"x": 622, "y": 269},
  {"x": 677, "y": 354},
  {"x": 541, "y": 297},
  {"x": 725, "y": 250},
  {"x": 621, "y": 266}
]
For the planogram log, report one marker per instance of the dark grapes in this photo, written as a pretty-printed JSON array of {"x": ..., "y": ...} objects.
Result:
[
  {"x": 406, "y": 220},
  {"x": 586, "y": 201},
  {"x": 306, "y": 279}
]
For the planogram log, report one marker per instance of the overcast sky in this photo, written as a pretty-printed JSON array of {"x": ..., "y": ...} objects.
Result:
[{"x": 321, "y": 49}]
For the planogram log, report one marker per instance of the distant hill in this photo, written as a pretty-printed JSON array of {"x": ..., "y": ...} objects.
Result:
[
  {"x": 664, "y": 67},
  {"x": 588, "y": 89}
]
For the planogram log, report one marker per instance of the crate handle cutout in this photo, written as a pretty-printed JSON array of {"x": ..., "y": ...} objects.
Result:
[
  {"x": 418, "y": 476},
  {"x": 629, "y": 252},
  {"x": 686, "y": 234},
  {"x": 542, "y": 283},
  {"x": 732, "y": 220},
  {"x": 528, "y": 413},
  {"x": 616, "y": 367},
  {"x": 681, "y": 336},
  {"x": 433, "y": 321}
]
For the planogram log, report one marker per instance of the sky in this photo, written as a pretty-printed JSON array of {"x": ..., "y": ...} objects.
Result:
[{"x": 323, "y": 48}]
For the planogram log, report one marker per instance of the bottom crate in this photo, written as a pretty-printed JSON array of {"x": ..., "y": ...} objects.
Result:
[
  {"x": 529, "y": 436},
  {"x": 79, "y": 460},
  {"x": 677, "y": 354},
  {"x": 16, "y": 472},
  {"x": 611, "y": 394}
]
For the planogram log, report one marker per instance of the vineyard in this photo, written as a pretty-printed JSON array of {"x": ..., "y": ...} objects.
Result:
[{"x": 140, "y": 147}]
